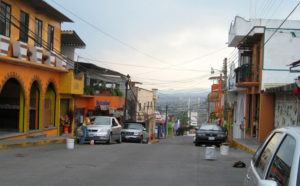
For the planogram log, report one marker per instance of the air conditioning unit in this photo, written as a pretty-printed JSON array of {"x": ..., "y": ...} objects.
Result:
[
  {"x": 36, "y": 54},
  {"x": 49, "y": 58},
  {"x": 20, "y": 50},
  {"x": 61, "y": 61},
  {"x": 4, "y": 45}
]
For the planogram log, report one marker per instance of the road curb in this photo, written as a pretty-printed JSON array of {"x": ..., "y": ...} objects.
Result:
[
  {"x": 235, "y": 143},
  {"x": 37, "y": 143}
]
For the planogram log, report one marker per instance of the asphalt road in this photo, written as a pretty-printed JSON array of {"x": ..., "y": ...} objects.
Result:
[{"x": 174, "y": 161}]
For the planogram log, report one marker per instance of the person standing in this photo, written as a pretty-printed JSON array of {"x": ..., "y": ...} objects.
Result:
[{"x": 85, "y": 132}]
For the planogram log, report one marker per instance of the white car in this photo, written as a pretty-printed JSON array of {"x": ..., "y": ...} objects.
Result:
[
  {"x": 276, "y": 161},
  {"x": 104, "y": 128}
]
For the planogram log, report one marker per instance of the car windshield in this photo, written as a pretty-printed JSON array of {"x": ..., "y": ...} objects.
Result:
[
  {"x": 134, "y": 126},
  {"x": 210, "y": 127},
  {"x": 102, "y": 121}
]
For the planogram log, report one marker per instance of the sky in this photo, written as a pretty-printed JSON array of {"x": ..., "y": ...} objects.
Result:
[{"x": 164, "y": 44}]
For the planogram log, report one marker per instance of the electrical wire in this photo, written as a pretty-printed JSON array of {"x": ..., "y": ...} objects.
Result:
[{"x": 282, "y": 23}]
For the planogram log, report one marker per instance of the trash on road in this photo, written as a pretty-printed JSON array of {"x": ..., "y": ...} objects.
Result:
[
  {"x": 239, "y": 164},
  {"x": 70, "y": 143},
  {"x": 210, "y": 153},
  {"x": 224, "y": 149}
]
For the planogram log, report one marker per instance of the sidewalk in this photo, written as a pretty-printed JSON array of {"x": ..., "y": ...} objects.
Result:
[
  {"x": 32, "y": 142},
  {"x": 249, "y": 145}
]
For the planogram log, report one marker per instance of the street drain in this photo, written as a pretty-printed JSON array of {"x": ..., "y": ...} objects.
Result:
[{"x": 72, "y": 166}]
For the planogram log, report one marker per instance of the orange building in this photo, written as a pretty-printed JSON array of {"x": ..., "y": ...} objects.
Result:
[
  {"x": 216, "y": 97},
  {"x": 101, "y": 103},
  {"x": 104, "y": 92},
  {"x": 33, "y": 74}
]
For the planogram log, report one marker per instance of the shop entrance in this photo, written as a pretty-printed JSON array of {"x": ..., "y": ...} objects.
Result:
[
  {"x": 50, "y": 107},
  {"x": 66, "y": 117},
  {"x": 34, "y": 107},
  {"x": 12, "y": 105}
]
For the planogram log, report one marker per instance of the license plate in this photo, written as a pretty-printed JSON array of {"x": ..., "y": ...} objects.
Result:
[{"x": 211, "y": 138}]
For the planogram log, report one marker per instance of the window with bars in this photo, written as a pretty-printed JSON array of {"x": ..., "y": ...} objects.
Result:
[
  {"x": 38, "y": 32},
  {"x": 24, "y": 22},
  {"x": 5, "y": 16}
]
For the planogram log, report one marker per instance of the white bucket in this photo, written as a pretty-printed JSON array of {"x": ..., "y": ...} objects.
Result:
[
  {"x": 70, "y": 143},
  {"x": 210, "y": 153},
  {"x": 224, "y": 149}
]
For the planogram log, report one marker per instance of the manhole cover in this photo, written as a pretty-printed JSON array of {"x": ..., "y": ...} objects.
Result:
[{"x": 78, "y": 165}]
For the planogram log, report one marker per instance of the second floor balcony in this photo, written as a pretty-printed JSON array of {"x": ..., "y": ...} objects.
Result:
[
  {"x": 245, "y": 76},
  {"x": 19, "y": 52}
]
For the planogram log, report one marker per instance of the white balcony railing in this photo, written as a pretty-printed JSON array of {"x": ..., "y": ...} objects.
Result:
[{"x": 34, "y": 54}]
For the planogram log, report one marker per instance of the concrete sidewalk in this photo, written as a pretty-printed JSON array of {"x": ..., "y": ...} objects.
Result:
[
  {"x": 249, "y": 145},
  {"x": 32, "y": 142}
]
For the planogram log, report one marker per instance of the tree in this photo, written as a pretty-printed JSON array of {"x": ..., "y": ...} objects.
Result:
[{"x": 182, "y": 116}]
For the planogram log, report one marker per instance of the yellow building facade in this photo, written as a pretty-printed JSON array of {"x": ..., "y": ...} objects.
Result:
[{"x": 33, "y": 74}]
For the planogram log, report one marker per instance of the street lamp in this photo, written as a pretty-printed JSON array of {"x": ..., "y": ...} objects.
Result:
[{"x": 212, "y": 70}]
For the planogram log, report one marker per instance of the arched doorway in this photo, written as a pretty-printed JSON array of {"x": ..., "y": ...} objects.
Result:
[
  {"x": 34, "y": 106},
  {"x": 12, "y": 107},
  {"x": 50, "y": 107}
]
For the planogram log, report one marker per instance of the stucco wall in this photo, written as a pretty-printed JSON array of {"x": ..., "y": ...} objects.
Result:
[
  {"x": 145, "y": 99},
  {"x": 239, "y": 114},
  {"x": 280, "y": 51},
  {"x": 286, "y": 110}
]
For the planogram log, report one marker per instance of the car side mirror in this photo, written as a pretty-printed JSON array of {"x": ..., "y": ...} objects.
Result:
[{"x": 268, "y": 183}]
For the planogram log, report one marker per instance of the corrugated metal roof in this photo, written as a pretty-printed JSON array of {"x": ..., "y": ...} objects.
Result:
[
  {"x": 70, "y": 38},
  {"x": 284, "y": 88},
  {"x": 44, "y": 8},
  {"x": 100, "y": 70}
]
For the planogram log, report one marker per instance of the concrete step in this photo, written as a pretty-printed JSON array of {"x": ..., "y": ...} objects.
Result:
[{"x": 39, "y": 135}]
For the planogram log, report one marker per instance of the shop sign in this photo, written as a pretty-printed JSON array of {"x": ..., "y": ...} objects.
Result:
[
  {"x": 214, "y": 97},
  {"x": 99, "y": 103}
]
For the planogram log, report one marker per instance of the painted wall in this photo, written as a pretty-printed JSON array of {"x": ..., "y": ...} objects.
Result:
[
  {"x": 286, "y": 110},
  {"x": 17, "y": 6},
  {"x": 71, "y": 84},
  {"x": 146, "y": 102},
  {"x": 239, "y": 114},
  {"x": 90, "y": 102},
  {"x": 276, "y": 57},
  {"x": 266, "y": 119}
]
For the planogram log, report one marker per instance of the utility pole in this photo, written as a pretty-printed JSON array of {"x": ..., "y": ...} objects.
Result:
[
  {"x": 166, "y": 114},
  {"x": 189, "y": 111},
  {"x": 225, "y": 93},
  {"x": 125, "y": 104},
  {"x": 166, "y": 120}
]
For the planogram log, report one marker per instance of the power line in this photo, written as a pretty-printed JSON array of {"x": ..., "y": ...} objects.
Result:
[
  {"x": 282, "y": 23},
  {"x": 110, "y": 35},
  {"x": 139, "y": 66}
]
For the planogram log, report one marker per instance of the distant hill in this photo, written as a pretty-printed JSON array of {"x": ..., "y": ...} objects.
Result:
[{"x": 184, "y": 93}]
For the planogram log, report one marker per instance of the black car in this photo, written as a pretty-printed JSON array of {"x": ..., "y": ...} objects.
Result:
[{"x": 210, "y": 134}]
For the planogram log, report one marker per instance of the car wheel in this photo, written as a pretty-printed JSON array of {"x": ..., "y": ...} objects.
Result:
[
  {"x": 120, "y": 139},
  {"x": 197, "y": 144},
  {"x": 109, "y": 141}
]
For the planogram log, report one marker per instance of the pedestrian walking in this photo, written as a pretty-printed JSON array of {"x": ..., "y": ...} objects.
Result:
[{"x": 85, "y": 132}]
